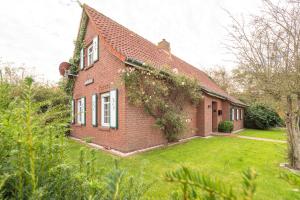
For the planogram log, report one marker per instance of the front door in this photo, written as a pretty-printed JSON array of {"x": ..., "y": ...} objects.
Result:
[{"x": 214, "y": 116}]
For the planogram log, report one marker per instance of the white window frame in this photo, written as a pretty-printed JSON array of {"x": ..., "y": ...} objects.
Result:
[
  {"x": 232, "y": 114},
  {"x": 79, "y": 110},
  {"x": 242, "y": 114},
  {"x": 90, "y": 54},
  {"x": 94, "y": 110},
  {"x": 103, "y": 123},
  {"x": 237, "y": 114},
  {"x": 82, "y": 58}
]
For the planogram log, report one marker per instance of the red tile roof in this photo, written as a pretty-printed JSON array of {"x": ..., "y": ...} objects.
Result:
[{"x": 127, "y": 44}]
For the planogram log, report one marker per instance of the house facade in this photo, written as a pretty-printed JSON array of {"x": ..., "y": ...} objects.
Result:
[{"x": 100, "y": 108}]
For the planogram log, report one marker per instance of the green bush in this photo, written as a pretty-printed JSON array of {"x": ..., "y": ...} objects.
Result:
[
  {"x": 260, "y": 116},
  {"x": 33, "y": 148},
  {"x": 225, "y": 126}
]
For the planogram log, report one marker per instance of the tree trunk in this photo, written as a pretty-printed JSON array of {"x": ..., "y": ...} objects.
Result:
[{"x": 293, "y": 133}]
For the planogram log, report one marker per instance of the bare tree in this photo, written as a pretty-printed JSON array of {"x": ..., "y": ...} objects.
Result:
[
  {"x": 222, "y": 77},
  {"x": 267, "y": 49}
]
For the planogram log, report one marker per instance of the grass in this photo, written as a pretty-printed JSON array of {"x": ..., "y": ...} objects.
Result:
[
  {"x": 222, "y": 157},
  {"x": 276, "y": 133}
]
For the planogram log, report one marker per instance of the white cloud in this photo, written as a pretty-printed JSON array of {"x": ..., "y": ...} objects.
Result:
[{"x": 40, "y": 33}]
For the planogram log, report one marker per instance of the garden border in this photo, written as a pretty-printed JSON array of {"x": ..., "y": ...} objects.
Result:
[{"x": 122, "y": 154}]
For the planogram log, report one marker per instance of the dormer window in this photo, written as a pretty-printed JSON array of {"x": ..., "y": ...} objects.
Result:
[{"x": 90, "y": 52}]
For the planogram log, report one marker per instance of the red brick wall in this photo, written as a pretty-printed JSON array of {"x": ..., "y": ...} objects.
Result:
[
  {"x": 238, "y": 124},
  {"x": 106, "y": 77},
  {"x": 205, "y": 115},
  {"x": 136, "y": 129},
  {"x": 142, "y": 132}
]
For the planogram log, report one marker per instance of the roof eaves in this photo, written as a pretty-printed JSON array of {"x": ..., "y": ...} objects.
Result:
[{"x": 140, "y": 64}]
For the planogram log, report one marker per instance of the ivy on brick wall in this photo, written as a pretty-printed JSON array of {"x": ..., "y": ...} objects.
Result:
[
  {"x": 163, "y": 94},
  {"x": 74, "y": 61}
]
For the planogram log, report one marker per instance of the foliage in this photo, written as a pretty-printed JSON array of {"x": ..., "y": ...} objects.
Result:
[
  {"x": 200, "y": 186},
  {"x": 74, "y": 61},
  {"x": 221, "y": 157},
  {"x": 33, "y": 156},
  {"x": 225, "y": 126},
  {"x": 292, "y": 178},
  {"x": 88, "y": 139},
  {"x": 259, "y": 116},
  {"x": 223, "y": 78},
  {"x": 163, "y": 94},
  {"x": 267, "y": 49}
]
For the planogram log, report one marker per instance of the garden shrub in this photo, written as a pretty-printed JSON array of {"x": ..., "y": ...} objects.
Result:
[
  {"x": 225, "y": 126},
  {"x": 33, "y": 162},
  {"x": 260, "y": 116},
  {"x": 162, "y": 94}
]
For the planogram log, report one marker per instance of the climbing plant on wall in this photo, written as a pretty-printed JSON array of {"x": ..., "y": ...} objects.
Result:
[
  {"x": 163, "y": 94},
  {"x": 74, "y": 61}
]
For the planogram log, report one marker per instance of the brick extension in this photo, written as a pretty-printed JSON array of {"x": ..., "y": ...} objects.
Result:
[{"x": 135, "y": 128}]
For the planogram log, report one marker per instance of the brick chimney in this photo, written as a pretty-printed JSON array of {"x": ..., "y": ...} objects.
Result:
[{"x": 165, "y": 45}]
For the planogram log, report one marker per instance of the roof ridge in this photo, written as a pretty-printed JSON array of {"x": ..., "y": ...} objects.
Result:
[
  {"x": 85, "y": 5},
  {"x": 154, "y": 45},
  {"x": 125, "y": 43}
]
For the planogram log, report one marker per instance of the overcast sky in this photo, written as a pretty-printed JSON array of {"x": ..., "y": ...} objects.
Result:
[{"x": 40, "y": 33}]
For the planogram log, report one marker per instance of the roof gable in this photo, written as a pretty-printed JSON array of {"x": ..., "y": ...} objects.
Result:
[{"x": 125, "y": 43}]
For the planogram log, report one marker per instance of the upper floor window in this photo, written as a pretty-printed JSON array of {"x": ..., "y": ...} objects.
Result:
[{"x": 90, "y": 52}]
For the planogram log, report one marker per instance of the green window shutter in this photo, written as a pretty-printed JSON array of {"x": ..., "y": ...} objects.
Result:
[
  {"x": 114, "y": 108},
  {"x": 94, "y": 110},
  {"x": 72, "y": 111}
]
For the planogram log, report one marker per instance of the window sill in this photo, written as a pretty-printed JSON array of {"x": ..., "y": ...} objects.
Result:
[
  {"x": 78, "y": 125},
  {"x": 103, "y": 128},
  {"x": 88, "y": 67}
]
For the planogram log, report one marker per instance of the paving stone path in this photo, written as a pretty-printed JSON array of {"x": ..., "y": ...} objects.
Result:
[{"x": 261, "y": 139}]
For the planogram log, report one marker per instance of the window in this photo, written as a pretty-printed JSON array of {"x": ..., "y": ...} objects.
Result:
[
  {"x": 82, "y": 58},
  {"x": 105, "y": 110},
  {"x": 94, "y": 109},
  {"x": 237, "y": 114},
  {"x": 241, "y": 113},
  {"x": 79, "y": 110},
  {"x": 90, "y": 52},
  {"x": 220, "y": 112},
  {"x": 232, "y": 114}
]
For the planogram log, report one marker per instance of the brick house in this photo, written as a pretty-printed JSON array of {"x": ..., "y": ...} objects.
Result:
[{"x": 100, "y": 108}]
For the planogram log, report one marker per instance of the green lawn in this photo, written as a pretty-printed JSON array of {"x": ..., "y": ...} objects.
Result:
[
  {"x": 223, "y": 157},
  {"x": 276, "y": 134}
]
